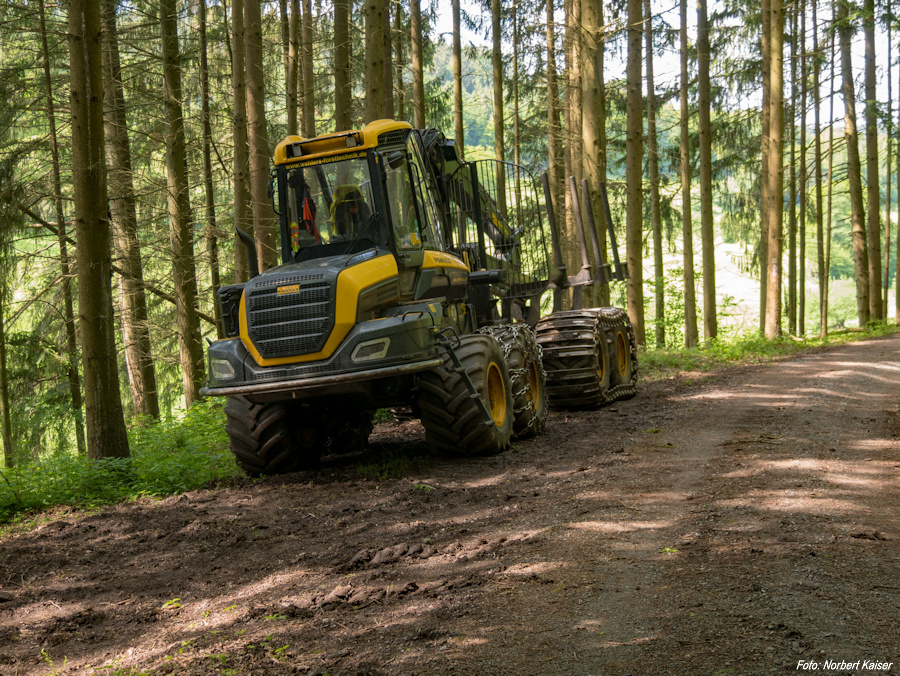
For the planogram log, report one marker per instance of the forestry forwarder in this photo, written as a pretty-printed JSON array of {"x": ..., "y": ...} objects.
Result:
[{"x": 408, "y": 277}]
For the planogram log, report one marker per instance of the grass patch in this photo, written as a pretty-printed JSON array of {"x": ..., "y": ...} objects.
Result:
[
  {"x": 388, "y": 464},
  {"x": 167, "y": 457},
  {"x": 746, "y": 348}
]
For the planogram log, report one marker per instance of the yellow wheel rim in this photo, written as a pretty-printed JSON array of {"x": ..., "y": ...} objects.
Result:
[
  {"x": 496, "y": 392},
  {"x": 622, "y": 354}
]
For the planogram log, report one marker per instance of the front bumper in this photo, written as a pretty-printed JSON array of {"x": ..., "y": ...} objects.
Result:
[{"x": 380, "y": 348}]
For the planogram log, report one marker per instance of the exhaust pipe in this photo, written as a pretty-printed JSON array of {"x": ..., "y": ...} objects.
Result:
[{"x": 250, "y": 245}]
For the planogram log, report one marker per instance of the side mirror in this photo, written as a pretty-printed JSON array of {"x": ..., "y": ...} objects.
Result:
[
  {"x": 272, "y": 193},
  {"x": 396, "y": 159}
]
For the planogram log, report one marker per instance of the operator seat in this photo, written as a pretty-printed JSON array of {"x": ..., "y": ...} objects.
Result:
[{"x": 349, "y": 211}]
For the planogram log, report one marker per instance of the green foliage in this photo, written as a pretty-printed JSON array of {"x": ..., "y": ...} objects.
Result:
[
  {"x": 673, "y": 295},
  {"x": 169, "y": 456},
  {"x": 387, "y": 465}
]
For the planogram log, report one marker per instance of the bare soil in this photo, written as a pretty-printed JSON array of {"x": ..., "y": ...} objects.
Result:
[{"x": 740, "y": 522}]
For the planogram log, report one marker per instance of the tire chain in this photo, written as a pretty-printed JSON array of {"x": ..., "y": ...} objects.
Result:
[
  {"x": 507, "y": 335},
  {"x": 611, "y": 318}
]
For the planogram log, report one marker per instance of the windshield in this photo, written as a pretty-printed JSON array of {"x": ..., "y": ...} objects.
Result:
[{"x": 330, "y": 204}]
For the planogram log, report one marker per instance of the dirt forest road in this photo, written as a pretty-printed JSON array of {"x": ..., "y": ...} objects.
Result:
[{"x": 743, "y": 523}]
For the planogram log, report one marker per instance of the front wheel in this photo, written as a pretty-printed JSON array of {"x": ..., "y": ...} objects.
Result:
[
  {"x": 264, "y": 440},
  {"x": 454, "y": 422}
]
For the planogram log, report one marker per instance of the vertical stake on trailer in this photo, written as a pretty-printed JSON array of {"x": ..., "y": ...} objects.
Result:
[
  {"x": 601, "y": 268},
  {"x": 562, "y": 280},
  {"x": 621, "y": 271}
]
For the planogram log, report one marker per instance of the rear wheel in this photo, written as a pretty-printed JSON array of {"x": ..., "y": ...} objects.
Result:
[
  {"x": 526, "y": 375},
  {"x": 623, "y": 357},
  {"x": 576, "y": 358},
  {"x": 453, "y": 420}
]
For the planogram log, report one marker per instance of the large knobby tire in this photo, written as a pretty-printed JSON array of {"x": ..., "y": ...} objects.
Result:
[
  {"x": 623, "y": 354},
  {"x": 265, "y": 440},
  {"x": 576, "y": 358},
  {"x": 453, "y": 421},
  {"x": 526, "y": 375}
]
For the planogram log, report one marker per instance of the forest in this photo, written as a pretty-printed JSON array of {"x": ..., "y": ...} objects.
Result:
[{"x": 137, "y": 135}]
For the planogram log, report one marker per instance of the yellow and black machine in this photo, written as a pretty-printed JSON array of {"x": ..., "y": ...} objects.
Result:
[{"x": 408, "y": 277}]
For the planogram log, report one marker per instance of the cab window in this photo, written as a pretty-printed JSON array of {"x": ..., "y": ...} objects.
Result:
[{"x": 406, "y": 219}]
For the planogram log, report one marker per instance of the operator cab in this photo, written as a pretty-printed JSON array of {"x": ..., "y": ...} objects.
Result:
[{"x": 352, "y": 192}]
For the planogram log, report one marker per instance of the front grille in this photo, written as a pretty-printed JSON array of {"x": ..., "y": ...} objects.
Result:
[{"x": 290, "y": 324}]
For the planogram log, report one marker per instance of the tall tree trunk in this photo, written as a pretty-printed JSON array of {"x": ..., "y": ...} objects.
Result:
[
  {"x": 374, "y": 59},
  {"x": 857, "y": 216},
  {"x": 105, "y": 422},
  {"x": 707, "y": 230},
  {"x": 296, "y": 57},
  {"x": 497, "y": 64},
  {"x": 601, "y": 130},
  {"x": 792, "y": 181},
  {"x": 830, "y": 180},
  {"x": 554, "y": 130},
  {"x": 457, "y": 83},
  {"x": 64, "y": 268},
  {"x": 820, "y": 234},
  {"x": 897, "y": 257},
  {"x": 653, "y": 165},
  {"x": 306, "y": 64},
  {"x": 289, "y": 45},
  {"x": 801, "y": 290},
  {"x": 888, "y": 170},
  {"x": 181, "y": 230},
  {"x": 342, "y": 92},
  {"x": 123, "y": 212},
  {"x": 573, "y": 89},
  {"x": 263, "y": 218},
  {"x": 212, "y": 242},
  {"x": 634, "y": 153},
  {"x": 691, "y": 335},
  {"x": 399, "y": 64},
  {"x": 388, "y": 63},
  {"x": 9, "y": 451},
  {"x": 418, "y": 63},
  {"x": 242, "y": 216},
  {"x": 764, "y": 162},
  {"x": 570, "y": 77},
  {"x": 591, "y": 121},
  {"x": 515, "y": 92},
  {"x": 873, "y": 182},
  {"x": 775, "y": 190},
  {"x": 285, "y": 26}
]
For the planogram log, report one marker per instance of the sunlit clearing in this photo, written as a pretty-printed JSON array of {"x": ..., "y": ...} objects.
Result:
[
  {"x": 874, "y": 444},
  {"x": 868, "y": 475},
  {"x": 854, "y": 367},
  {"x": 526, "y": 569},
  {"x": 620, "y": 526},
  {"x": 785, "y": 501}
]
